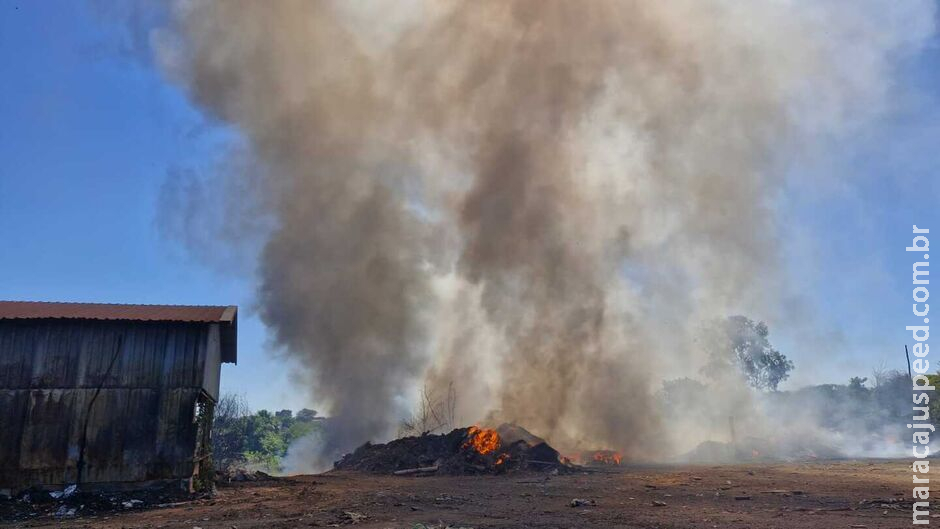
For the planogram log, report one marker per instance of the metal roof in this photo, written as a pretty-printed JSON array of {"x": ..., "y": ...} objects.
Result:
[
  {"x": 47, "y": 310},
  {"x": 10, "y": 310}
]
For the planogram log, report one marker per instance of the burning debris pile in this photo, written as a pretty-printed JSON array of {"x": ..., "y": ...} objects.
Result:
[
  {"x": 604, "y": 457},
  {"x": 472, "y": 450},
  {"x": 593, "y": 458}
]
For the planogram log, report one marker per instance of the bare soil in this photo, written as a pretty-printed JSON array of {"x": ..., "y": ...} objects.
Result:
[{"x": 844, "y": 494}]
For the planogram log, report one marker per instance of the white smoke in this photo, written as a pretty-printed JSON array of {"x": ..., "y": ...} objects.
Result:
[{"x": 538, "y": 200}]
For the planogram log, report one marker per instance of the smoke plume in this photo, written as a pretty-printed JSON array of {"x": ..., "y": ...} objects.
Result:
[{"x": 538, "y": 200}]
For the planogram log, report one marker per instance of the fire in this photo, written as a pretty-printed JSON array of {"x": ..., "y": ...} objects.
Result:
[
  {"x": 502, "y": 459},
  {"x": 607, "y": 457},
  {"x": 482, "y": 440}
]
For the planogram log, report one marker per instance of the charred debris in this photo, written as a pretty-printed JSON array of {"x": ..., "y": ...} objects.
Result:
[{"x": 467, "y": 451}]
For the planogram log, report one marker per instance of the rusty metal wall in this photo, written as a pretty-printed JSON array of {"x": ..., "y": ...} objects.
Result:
[{"x": 139, "y": 426}]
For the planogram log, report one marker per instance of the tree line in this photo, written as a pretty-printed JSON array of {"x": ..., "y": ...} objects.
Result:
[
  {"x": 736, "y": 347},
  {"x": 242, "y": 438}
]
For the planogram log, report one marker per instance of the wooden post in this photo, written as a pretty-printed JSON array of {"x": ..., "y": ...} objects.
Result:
[{"x": 908, "y": 355}]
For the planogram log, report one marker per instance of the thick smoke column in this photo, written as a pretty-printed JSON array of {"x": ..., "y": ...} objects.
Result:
[{"x": 537, "y": 200}]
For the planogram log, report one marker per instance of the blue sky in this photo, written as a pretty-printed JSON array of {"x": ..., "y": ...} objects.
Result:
[
  {"x": 91, "y": 130},
  {"x": 89, "y": 135}
]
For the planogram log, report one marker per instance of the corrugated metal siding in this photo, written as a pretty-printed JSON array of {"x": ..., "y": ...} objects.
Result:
[
  {"x": 141, "y": 424},
  {"x": 76, "y": 354},
  {"x": 227, "y": 316}
]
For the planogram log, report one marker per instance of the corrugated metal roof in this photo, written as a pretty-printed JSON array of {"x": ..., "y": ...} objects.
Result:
[{"x": 111, "y": 311}]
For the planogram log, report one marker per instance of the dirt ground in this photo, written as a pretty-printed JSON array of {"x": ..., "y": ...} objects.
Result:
[{"x": 849, "y": 494}]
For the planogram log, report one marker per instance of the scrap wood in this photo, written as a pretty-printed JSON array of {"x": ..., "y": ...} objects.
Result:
[{"x": 419, "y": 470}]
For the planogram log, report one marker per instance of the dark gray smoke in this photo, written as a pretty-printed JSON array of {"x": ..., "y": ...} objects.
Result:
[{"x": 536, "y": 199}]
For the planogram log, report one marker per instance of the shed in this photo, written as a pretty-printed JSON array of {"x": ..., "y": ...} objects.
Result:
[{"x": 108, "y": 395}]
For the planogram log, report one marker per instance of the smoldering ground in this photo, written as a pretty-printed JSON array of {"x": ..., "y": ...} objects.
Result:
[{"x": 539, "y": 200}]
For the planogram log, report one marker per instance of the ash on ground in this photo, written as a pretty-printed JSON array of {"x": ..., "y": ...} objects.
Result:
[{"x": 71, "y": 502}]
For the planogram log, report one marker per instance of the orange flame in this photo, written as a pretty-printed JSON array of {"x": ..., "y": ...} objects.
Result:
[
  {"x": 502, "y": 459},
  {"x": 482, "y": 440},
  {"x": 607, "y": 457}
]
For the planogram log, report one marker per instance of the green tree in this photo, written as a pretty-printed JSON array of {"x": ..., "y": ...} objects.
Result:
[
  {"x": 741, "y": 343},
  {"x": 240, "y": 437},
  {"x": 857, "y": 383},
  {"x": 307, "y": 415},
  {"x": 934, "y": 407},
  {"x": 857, "y": 387},
  {"x": 229, "y": 431}
]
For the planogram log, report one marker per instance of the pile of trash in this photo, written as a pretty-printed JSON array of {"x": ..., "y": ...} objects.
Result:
[
  {"x": 71, "y": 501},
  {"x": 471, "y": 450},
  {"x": 753, "y": 449},
  {"x": 238, "y": 475}
]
